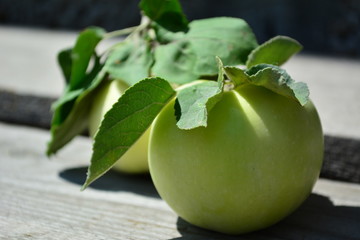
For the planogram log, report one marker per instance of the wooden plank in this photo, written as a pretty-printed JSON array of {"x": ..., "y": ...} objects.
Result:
[
  {"x": 342, "y": 155},
  {"x": 40, "y": 199}
]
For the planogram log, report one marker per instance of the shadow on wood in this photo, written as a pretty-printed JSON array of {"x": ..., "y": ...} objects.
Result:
[
  {"x": 318, "y": 218},
  {"x": 342, "y": 159},
  {"x": 113, "y": 181}
]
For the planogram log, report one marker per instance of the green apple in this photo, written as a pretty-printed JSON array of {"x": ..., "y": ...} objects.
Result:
[
  {"x": 135, "y": 159},
  {"x": 254, "y": 164}
]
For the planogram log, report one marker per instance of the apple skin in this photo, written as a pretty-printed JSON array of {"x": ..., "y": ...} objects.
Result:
[
  {"x": 254, "y": 164},
  {"x": 135, "y": 159}
]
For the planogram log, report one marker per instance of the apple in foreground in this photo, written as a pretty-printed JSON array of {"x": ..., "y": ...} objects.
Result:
[
  {"x": 253, "y": 165},
  {"x": 135, "y": 159}
]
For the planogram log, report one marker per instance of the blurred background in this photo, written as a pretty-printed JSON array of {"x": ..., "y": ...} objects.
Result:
[{"x": 323, "y": 27}]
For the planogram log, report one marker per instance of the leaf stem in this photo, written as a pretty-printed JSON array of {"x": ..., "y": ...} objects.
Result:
[
  {"x": 120, "y": 32},
  {"x": 111, "y": 48},
  {"x": 133, "y": 32},
  {"x": 241, "y": 86}
]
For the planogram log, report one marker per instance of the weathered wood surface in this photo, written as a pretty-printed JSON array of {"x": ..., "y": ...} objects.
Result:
[{"x": 40, "y": 199}]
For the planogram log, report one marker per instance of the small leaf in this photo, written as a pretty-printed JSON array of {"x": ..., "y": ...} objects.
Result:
[
  {"x": 276, "y": 51},
  {"x": 130, "y": 61},
  {"x": 74, "y": 65},
  {"x": 167, "y": 13},
  {"x": 236, "y": 75},
  {"x": 75, "y": 123},
  {"x": 81, "y": 54},
  {"x": 65, "y": 63},
  {"x": 125, "y": 122},
  {"x": 75, "y": 109},
  {"x": 192, "y": 55},
  {"x": 63, "y": 106},
  {"x": 277, "y": 80},
  {"x": 195, "y": 101}
]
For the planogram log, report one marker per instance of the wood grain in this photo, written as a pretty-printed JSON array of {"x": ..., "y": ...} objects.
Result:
[{"x": 40, "y": 199}]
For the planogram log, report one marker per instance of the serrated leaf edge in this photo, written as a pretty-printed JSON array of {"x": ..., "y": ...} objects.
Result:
[
  {"x": 290, "y": 83},
  {"x": 89, "y": 180}
]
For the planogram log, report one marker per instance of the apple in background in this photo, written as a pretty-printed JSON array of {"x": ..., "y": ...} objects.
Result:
[
  {"x": 254, "y": 164},
  {"x": 135, "y": 159}
]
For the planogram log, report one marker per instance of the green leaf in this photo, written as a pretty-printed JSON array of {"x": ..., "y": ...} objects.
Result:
[
  {"x": 176, "y": 62},
  {"x": 74, "y": 64},
  {"x": 277, "y": 80},
  {"x": 75, "y": 107},
  {"x": 167, "y": 13},
  {"x": 192, "y": 55},
  {"x": 125, "y": 122},
  {"x": 164, "y": 36},
  {"x": 65, "y": 63},
  {"x": 81, "y": 55},
  {"x": 196, "y": 100},
  {"x": 63, "y": 106},
  {"x": 130, "y": 61},
  {"x": 276, "y": 51},
  {"x": 236, "y": 75}
]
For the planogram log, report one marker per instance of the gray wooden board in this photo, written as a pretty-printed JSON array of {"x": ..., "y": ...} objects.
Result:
[{"x": 40, "y": 199}]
